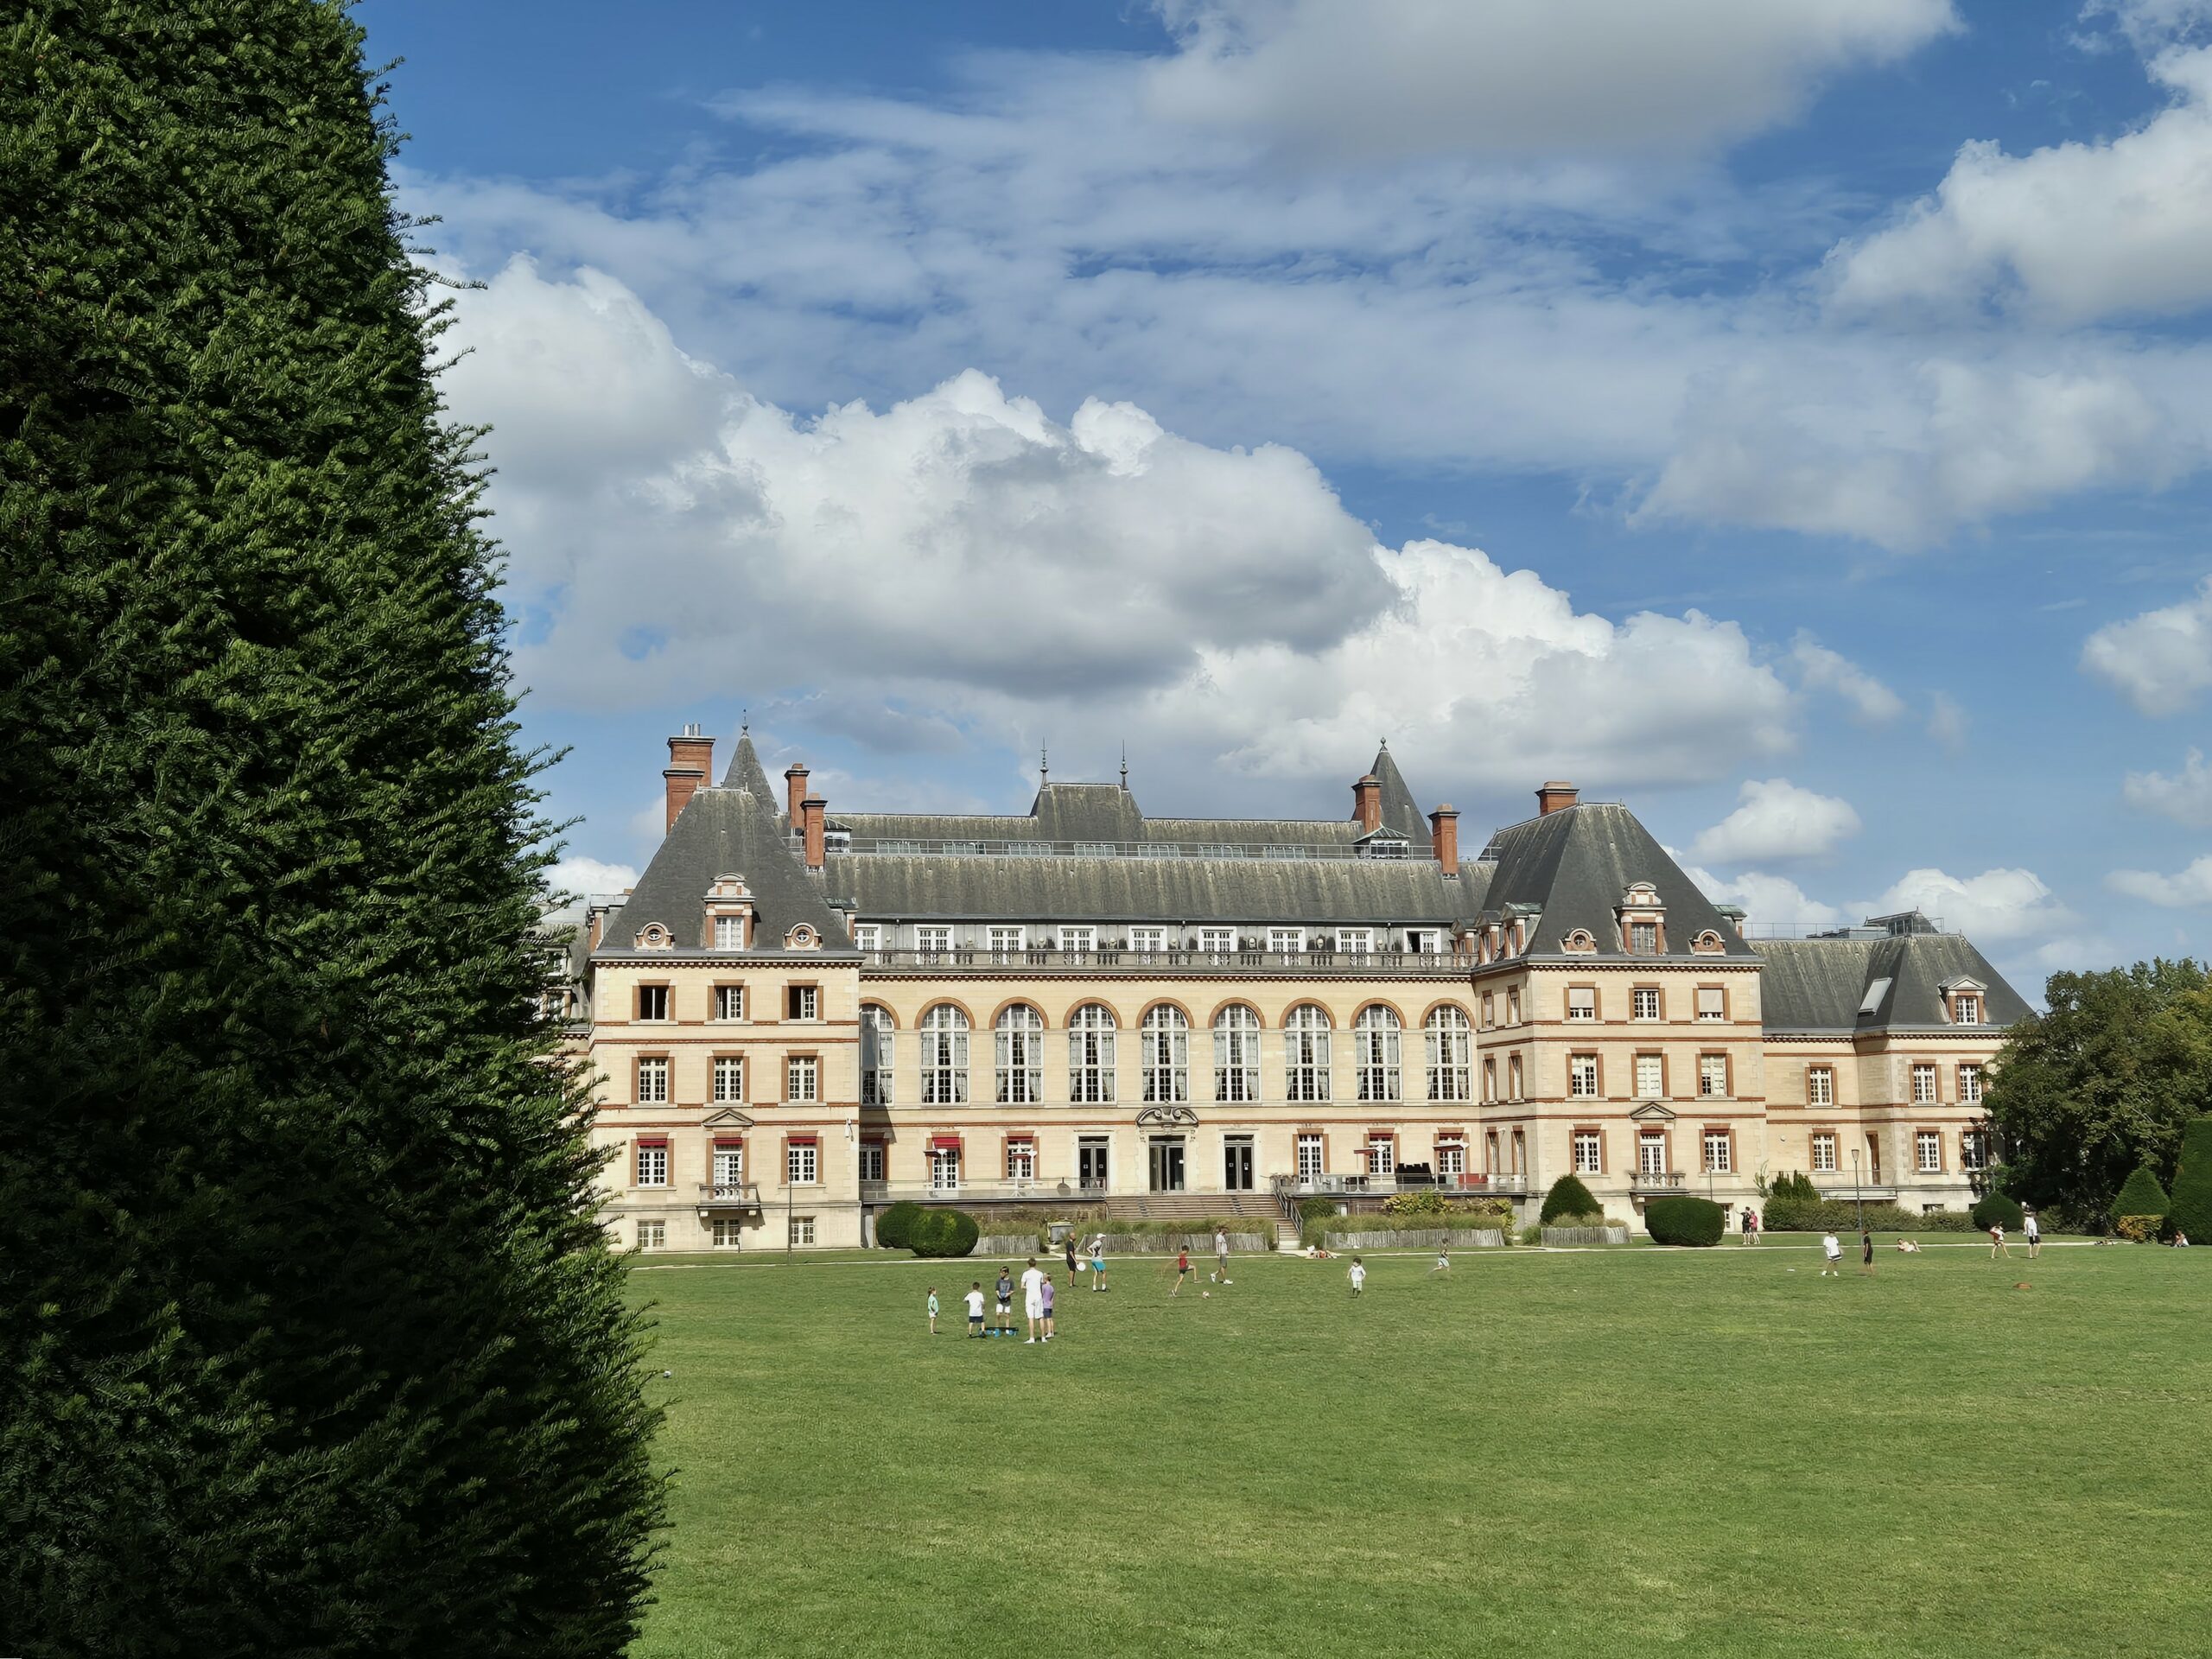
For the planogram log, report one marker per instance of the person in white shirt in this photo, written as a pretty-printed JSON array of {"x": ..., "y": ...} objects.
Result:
[
  {"x": 975, "y": 1300},
  {"x": 1032, "y": 1300},
  {"x": 1833, "y": 1248},
  {"x": 2034, "y": 1230},
  {"x": 1358, "y": 1276}
]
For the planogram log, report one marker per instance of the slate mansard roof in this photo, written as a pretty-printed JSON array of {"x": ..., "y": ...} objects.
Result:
[
  {"x": 726, "y": 831},
  {"x": 1820, "y": 985}
]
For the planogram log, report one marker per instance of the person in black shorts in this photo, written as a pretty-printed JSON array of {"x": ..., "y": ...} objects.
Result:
[
  {"x": 1866, "y": 1249},
  {"x": 1006, "y": 1303}
]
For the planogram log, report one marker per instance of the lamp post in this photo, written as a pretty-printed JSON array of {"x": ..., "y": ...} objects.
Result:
[{"x": 1858, "y": 1197}]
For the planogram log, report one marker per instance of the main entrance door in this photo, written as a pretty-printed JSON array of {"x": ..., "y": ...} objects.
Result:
[
  {"x": 1090, "y": 1165},
  {"x": 1237, "y": 1166},
  {"x": 1167, "y": 1157}
]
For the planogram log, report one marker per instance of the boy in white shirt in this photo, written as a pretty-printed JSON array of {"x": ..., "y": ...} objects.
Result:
[
  {"x": 1358, "y": 1276},
  {"x": 1833, "y": 1248},
  {"x": 1032, "y": 1298},
  {"x": 975, "y": 1300},
  {"x": 2034, "y": 1230}
]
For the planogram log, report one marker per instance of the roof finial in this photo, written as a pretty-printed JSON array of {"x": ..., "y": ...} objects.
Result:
[
  {"x": 1125, "y": 766},
  {"x": 1044, "y": 764},
  {"x": 745, "y": 723},
  {"x": 1386, "y": 745}
]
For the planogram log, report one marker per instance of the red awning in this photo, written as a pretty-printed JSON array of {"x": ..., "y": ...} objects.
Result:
[
  {"x": 652, "y": 1140},
  {"x": 801, "y": 1140},
  {"x": 944, "y": 1143}
]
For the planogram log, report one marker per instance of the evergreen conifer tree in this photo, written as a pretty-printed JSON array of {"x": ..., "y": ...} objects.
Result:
[
  {"x": 309, "y": 1342},
  {"x": 2188, "y": 1210},
  {"x": 1568, "y": 1196},
  {"x": 2140, "y": 1195}
]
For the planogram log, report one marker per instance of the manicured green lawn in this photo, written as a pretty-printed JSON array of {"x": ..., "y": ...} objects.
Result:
[{"x": 1588, "y": 1455}]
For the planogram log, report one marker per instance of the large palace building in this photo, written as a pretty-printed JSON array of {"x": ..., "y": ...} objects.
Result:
[{"x": 796, "y": 1019}]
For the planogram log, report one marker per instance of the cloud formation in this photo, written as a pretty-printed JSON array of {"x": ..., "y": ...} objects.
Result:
[
  {"x": 2160, "y": 661},
  {"x": 2192, "y": 886},
  {"x": 1995, "y": 905},
  {"x": 1777, "y": 821},
  {"x": 1767, "y": 900},
  {"x": 1820, "y": 668},
  {"x": 581, "y": 877},
  {"x": 2185, "y": 796}
]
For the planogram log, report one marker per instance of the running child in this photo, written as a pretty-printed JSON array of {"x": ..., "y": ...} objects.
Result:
[
  {"x": 1182, "y": 1270},
  {"x": 975, "y": 1300},
  {"x": 1357, "y": 1275},
  {"x": 932, "y": 1310},
  {"x": 1443, "y": 1261}
]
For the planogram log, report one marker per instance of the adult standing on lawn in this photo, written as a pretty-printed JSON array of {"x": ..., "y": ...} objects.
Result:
[
  {"x": 2034, "y": 1230},
  {"x": 1098, "y": 1261},
  {"x": 1865, "y": 1249}
]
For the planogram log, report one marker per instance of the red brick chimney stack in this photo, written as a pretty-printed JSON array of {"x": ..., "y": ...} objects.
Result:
[
  {"x": 1443, "y": 837},
  {"x": 1554, "y": 797},
  {"x": 690, "y": 763},
  {"x": 1367, "y": 801},
  {"x": 814, "y": 807},
  {"x": 794, "y": 791}
]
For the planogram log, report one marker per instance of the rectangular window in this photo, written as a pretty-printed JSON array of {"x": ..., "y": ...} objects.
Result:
[
  {"x": 1923, "y": 1084},
  {"x": 1588, "y": 1151},
  {"x": 1712, "y": 1074},
  {"x": 652, "y": 1235},
  {"x": 871, "y": 1161},
  {"x": 1582, "y": 1075},
  {"x": 730, "y": 1077},
  {"x": 802, "y": 1167},
  {"x": 802, "y": 1079},
  {"x": 1450, "y": 1055},
  {"x": 1581, "y": 1002},
  {"x": 652, "y": 1082},
  {"x": 652, "y": 1163},
  {"x": 729, "y": 933},
  {"x": 932, "y": 942},
  {"x": 1716, "y": 1151},
  {"x": 878, "y": 1046},
  {"x": 1147, "y": 941},
  {"x": 1425, "y": 941},
  {"x": 1824, "y": 1155},
  {"x": 1973, "y": 1149},
  {"x": 867, "y": 935},
  {"x": 1451, "y": 1160},
  {"x": 1513, "y": 1078},
  {"x": 802, "y": 1002},
  {"x": 1651, "y": 1077},
  {"x": 1651, "y": 1152},
  {"x": 1217, "y": 941},
  {"x": 1309, "y": 1157},
  {"x": 1513, "y": 1007},
  {"x": 1647, "y": 1003},
  {"x": 1355, "y": 941},
  {"x": 1078, "y": 942},
  {"x": 1490, "y": 1079},
  {"x": 728, "y": 1168},
  {"x": 1382, "y": 1154},
  {"x": 944, "y": 1169},
  {"x": 1490, "y": 1011},
  {"x": 802, "y": 1229},
  {"x": 652, "y": 1002},
  {"x": 1004, "y": 943},
  {"x": 1643, "y": 938},
  {"x": 1305, "y": 1056},
  {"x": 728, "y": 1235},
  {"x": 1819, "y": 1086},
  {"x": 1285, "y": 941},
  {"x": 729, "y": 1002},
  {"x": 1712, "y": 1003},
  {"x": 1021, "y": 1161},
  {"x": 1969, "y": 1084},
  {"x": 1969, "y": 1009},
  {"x": 1928, "y": 1151}
]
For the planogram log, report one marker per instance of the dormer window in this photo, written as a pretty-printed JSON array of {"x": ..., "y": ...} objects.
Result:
[
  {"x": 1963, "y": 1000},
  {"x": 802, "y": 938},
  {"x": 1708, "y": 943},
  {"x": 652, "y": 937},
  {"x": 729, "y": 933},
  {"x": 1966, "y": 1008},
  {"x": 1643, "y": 938},
  {"x": 1580, "y": 942},
  {"x": 729, "y": 914},
  {"x": 1642, "y": 920}
]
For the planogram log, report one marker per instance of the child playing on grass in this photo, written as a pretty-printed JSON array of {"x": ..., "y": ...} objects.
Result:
[
  {"x": 1997, "y": 1242},
  {"x": 932, "y": 1310},
  {"x": 1182, "y": 1270},
  {"x": 975, "y": 1300},
  {"x": 1004, "y": 1317},
  {"x": 1443, "y": 1261},
  {"x": 1048, "y": 1307},
  {"x": 1358, "y": 1275},
  {"x": 1099, "y": 1262},
  {"x": 1831, "y": 1253}
]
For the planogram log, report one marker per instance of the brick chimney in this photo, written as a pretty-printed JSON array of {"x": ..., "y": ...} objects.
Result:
[
  {"x": 690, "y": 763},
  {"x": 1554, "y": 797},
  {"x": 794, "y": 791},
  {"x": 1443, "y": 837},
  {"x": 1367, "y": 803},
  {"x": 812, "y": 808}
]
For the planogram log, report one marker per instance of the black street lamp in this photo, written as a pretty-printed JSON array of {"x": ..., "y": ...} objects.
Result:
[{"x": 1858, "y": 1196}]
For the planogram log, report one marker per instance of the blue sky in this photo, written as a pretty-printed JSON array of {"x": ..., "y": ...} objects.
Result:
[{"x": 1791, "y": 416}]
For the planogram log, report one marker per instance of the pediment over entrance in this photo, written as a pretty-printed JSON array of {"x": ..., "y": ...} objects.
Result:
[
  {"x": 728, "y": 1118},
  {"x": 1158, "y": 1117},
  {"x": 1652, "y": 1112}
]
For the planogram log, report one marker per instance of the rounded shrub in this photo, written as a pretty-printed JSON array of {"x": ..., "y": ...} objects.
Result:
[
  {"x": 892, "y": 1225},
  {"x": 2141, "y": 1199},
  {"x": 2188, "y": 1209},
  {"x": 942, "y": 1233},
  {"x": 1568, "y": 1196},
  {"x": 1685, "y": 1220},
  {"x": 1996, "y": 1210}
]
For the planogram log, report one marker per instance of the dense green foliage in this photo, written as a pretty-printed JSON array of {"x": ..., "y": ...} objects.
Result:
[
  {"x": 942, "y": 1233},
  {"x": 2103, "y": 1083},
  {"x": 1568, "y": 1196},
  {"x": 1470, "y": 1214},
  {"x": 1998, "y": 1209},
  {"x": 1795, "y": 1187},
  {"x": 310, "y": 1341},
  {"x": 895, "y": 1226},
  {"x": 1684, "y": 1220},
  {"x": 1312, "y": 1209},
  {"x": 1842, "y": 1215},
  {"x": 2188, "y": 1209},
  {"x": 2141, "y": 1195}
]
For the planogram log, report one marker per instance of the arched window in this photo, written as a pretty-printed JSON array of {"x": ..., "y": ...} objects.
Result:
[
  {"x": 1236, "y": 1054},
  {"x": 1091, "y": 1055},
  {"x": 1306, "y": 1054},
  {"x": 1164, "y": 1050},
  {"x": 1451, "y": 1054},
  {"x": 944, "y": 1056},
  {"x": 1375, "y": 1048},
  {"x": 1021, "y": 1056},
  {"x": 877, "y": 1045}
]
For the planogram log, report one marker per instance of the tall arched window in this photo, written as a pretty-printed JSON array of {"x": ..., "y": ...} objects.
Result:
[
  {"x": 1164, "y": 1048},
  {"x": 1451, "y": 1054},
  {"x": 1021, "y": 1056},
  {"x": 1375, "y": 1048},
  {"x": 944, "y": 1056},
  {"x": 1090, "y": 1054},
  {"x": 1236, "y": 1054},
  {"x": 1306, "y": 1054},
  {"x": 876, "y": 1046}
]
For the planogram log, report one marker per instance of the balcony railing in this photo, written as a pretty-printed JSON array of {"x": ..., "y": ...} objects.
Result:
[
  {"x": 1120, "y": 959},
  {"x": 1019, "y": 1191},
  {"x": 1874, "y": 1189},
  {"x": 1475, "y": 1184},
  {"x": 1646, "y": 1180},
  {"x": 729, "y": 1195}
]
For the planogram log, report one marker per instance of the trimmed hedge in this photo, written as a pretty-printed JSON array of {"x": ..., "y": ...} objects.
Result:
[
  {"x": 1995, "y": 1210},
  {"x": 2188, "y": 1209},
  {"x": 2140, "y": 1198},
  {"x": 1842, "y": 1215},
  {"x": 1795, "y": 1187},
  {"x": 942, "y": 1233},
  {"x": 1685, "y": 1221},
  {"x": 1568, "y": 1196},
  {"x": 892, "y": 1226}
]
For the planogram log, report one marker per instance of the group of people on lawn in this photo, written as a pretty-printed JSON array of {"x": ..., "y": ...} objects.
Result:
[{"x": 1038, "y": 1295}]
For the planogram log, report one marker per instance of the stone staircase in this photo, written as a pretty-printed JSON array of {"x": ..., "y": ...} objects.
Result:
[{"x": 1192, "y": 1206}]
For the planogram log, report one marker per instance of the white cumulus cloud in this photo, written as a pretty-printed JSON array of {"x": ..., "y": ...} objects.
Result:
[
  {"x": 1946, "y": 721},
  {"x": 2192, "y": 886},
  {"x": 1822, "y": 670},
  {"x": 2160, "y": 660},
  {"x": 2185, "y": 796},
  {"x": 1778, "y": 821},
  {"x": 583, "y": 877},
  {"x": 1766, "y": 900},
  {"x": 1997, "y": 905}
]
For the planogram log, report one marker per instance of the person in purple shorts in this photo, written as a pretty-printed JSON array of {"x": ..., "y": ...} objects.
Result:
[{"x": 1048, "y": 1307}]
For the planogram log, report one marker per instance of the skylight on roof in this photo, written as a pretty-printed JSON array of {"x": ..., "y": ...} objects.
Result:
[{"x": 1872, "y": 1000}]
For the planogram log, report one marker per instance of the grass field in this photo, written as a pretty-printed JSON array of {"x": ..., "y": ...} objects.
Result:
[{"x": 1577, "y": 1454}]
